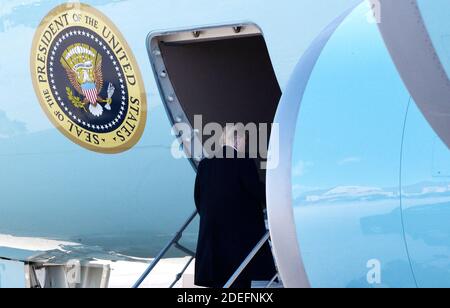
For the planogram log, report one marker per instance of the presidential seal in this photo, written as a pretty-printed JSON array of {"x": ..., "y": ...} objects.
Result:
[{"x": 87, "y": 80}]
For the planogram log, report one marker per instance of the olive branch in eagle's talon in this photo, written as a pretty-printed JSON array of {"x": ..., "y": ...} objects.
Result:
[{"x": 75, "y": 100}]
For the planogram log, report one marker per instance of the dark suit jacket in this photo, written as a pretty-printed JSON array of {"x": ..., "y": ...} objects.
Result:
[{"x": 229, "y": 197}]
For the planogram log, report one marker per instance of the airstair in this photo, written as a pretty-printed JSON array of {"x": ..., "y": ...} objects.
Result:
[{"x": 175, "y": 242}]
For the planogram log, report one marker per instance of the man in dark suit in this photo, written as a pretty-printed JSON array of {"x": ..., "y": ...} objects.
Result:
[{"x": 229, "y": 198}]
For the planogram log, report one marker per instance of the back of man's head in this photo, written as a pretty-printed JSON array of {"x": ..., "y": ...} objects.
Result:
[{"x": 234, "y": 137}]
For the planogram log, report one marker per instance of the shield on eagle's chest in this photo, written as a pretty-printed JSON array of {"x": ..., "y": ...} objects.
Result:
[{"x": 90, "y": 91}]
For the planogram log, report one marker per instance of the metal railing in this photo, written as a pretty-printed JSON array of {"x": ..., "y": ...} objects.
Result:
[
  {"x": 175, "y": 241},
  {"x": 247, "y": 261}
]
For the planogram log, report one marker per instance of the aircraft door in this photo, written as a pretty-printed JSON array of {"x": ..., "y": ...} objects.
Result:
[{"x": 213, "y": 76}]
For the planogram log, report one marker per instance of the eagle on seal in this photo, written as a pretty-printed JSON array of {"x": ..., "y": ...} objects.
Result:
[{"x": 83, "y": 65}]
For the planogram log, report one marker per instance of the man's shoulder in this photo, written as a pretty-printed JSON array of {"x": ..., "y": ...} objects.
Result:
[
  {"x": 217, "y": 161},
  {"x": 206, "y": 162}
]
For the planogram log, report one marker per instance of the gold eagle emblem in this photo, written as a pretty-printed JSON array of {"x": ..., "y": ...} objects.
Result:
[{"x": 83, "y": 66}]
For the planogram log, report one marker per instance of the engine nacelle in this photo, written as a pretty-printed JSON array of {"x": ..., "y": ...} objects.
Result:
[{"x": 361, "y": 196}]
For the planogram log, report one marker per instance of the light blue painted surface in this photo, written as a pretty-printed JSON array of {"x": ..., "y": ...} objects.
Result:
[
  {"x": 12, "y": 274},
  {"x": 18, "y": 254},
  {"x": 346, "y": 158},
  {"x": 131, "y": 202},
  {"x": 426, "y": 201},
  {"x": 346, "y": 163}
]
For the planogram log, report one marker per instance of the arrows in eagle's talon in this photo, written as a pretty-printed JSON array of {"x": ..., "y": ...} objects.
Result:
[{"x": 111, "y": 90}]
